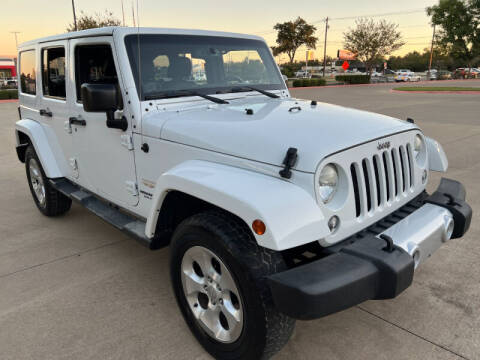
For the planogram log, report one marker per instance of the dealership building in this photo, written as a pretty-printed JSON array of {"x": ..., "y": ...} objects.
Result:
[{"x": 8, "y": 68}]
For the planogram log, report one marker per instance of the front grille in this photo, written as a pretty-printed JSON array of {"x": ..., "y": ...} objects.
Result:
[{"x": 382, "y": 178}]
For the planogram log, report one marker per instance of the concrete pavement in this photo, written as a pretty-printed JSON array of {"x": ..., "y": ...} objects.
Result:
[{"x": 75, "y": 288}]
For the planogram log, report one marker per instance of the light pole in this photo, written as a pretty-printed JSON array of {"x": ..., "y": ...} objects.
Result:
[
  {"x": 325, "y": 47},
  {"x": 74, "y": 15}
]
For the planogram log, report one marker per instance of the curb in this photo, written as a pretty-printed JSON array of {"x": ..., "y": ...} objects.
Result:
[
  {"x": 435, "y": 92},
  {"x": 385, "y": 84},
  {"x": 8, "y": 101}
]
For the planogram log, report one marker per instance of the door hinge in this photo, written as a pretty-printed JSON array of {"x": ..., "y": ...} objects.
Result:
[
  {"x": 132, "y": 188},
  {"x": 74, "y": 165},
  {"x": 126, "y": 140},
  {"x": 67, "y": 126}
]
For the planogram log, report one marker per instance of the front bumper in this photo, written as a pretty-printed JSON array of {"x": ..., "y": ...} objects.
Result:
[{"x": 376, "y": 264}]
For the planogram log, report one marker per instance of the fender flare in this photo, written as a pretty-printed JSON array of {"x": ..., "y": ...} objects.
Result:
[
  {"x": 437, "y": 159},
  {"x": 53, "y": 166},
  {"x": 291, "y": 214}
]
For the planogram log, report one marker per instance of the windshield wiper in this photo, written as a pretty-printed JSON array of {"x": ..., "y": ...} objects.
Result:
[
  {"x": 251, "y": 88},
  {"x": 180, "y": 93}
]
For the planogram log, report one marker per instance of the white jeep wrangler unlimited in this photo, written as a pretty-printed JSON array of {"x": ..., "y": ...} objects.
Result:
[{"x": 275, "y": 209}]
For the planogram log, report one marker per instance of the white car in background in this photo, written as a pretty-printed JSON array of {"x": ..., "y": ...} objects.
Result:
[
  {"x": 303, "y": 74},
  {"x": 407, "y": 76}
]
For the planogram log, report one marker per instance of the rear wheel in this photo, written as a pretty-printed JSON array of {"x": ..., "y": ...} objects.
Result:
[
  {"x": 48, "y": 200},
  {"x": 219, "y": 277}
]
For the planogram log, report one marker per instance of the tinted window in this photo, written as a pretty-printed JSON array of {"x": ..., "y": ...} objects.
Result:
[
  {"x": 53, "y": 72},
  {"x": 27, "y": 72},
  {"x": 94, "y": 65}
]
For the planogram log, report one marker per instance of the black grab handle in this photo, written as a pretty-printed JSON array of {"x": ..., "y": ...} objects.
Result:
[
  {"x": 75, "y": 121},
  {"x": 44, "y": 112}
]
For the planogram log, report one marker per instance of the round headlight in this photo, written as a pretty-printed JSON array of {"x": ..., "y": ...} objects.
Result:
[
  {"x": 328, "y": 182},
  {"x": 418, "y": 145}
]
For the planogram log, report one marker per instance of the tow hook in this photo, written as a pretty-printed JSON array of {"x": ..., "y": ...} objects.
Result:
[{"x": 390, "y": 246}]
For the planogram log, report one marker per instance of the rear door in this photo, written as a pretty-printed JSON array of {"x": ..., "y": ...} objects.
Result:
[
  {"x": 54, "y": 92},
  {"x": 105, "y": 160}
]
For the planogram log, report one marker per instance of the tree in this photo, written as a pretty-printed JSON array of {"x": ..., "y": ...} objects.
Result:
[
  {"x": 372, "y": 41},
  {"x": 459, "y": 22},
  {"x": 97, "y": 20},
  {"x": 293, "y": 34}
]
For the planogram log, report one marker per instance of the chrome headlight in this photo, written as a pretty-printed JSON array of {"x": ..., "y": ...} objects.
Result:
[
  {"x": 328, "y": 183},
  {"x": 418, "y": 146}
]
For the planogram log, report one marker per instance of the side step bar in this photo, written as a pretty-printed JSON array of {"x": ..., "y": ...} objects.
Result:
[{"x": 112, "y": 215}]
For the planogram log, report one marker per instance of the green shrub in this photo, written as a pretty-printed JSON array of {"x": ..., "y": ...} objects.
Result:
[
  {"x": 353, "y": 79},
  {"x": 309, "y": 82},
  {"x": 8, "y": 94}
]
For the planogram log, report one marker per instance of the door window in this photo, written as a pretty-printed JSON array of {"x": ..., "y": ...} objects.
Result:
[
  {"x": 28, "y": 72},
  {"x": 94, "y": 65},
  {"x": 53, "y": 72}
]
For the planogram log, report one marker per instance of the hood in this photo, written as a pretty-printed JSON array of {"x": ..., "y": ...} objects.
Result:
[{"x": 275, "y": 125}]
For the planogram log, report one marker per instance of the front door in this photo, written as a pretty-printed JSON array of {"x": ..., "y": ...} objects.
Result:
[{"x": 104, "y": 161}]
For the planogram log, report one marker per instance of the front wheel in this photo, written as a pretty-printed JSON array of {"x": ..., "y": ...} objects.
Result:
[{"x": 218, "y": 275}]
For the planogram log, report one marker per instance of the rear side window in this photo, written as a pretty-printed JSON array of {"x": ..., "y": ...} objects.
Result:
[
  {"x": 28, "y": 72},
  {"x": 53, "y": 72},
  {"x": 94, "y": 65}
]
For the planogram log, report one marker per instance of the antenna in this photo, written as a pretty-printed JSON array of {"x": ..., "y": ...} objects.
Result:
[
  {"x": 74, "y": 15},
  {"x": 140, "y": 93},
  {"x": 123, "y": 13},
  {"x": 16, "y": 40},
  {"x": 133, "y": 13}
]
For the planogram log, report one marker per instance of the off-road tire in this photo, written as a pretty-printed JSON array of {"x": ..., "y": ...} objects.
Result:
[
  {"x": 265, "y": 330},
  {"x": 55, "y": 202}
]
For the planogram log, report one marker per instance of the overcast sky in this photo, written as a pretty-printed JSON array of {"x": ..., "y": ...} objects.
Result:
[{"x": 38, "y": 18}]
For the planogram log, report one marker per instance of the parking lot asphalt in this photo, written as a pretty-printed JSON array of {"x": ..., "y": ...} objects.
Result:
[{"x": 75, "y": 288}]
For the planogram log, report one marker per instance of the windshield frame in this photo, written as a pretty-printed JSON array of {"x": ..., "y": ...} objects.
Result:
[{"x": 131, "y": 42}]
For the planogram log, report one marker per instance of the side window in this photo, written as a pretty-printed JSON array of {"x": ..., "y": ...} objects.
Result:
[
  {"x": 53, "y": 72},
  {"x": 94, "y": 65},
  {"x": 28, "y": 72}
]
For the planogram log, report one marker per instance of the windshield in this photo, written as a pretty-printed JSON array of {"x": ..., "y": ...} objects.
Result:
[{"x": 171, "y": 64}]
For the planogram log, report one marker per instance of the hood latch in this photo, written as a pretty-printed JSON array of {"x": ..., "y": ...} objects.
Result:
[{"x": 289, "y": 162}]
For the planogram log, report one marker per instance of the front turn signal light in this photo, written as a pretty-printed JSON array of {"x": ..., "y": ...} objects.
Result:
[{"x": 259, "y": 227}]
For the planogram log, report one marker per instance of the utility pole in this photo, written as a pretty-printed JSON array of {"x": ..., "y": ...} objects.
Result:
[
  {"x": 16, "y": 40},
  {"x": 325, "y": 48},
  {"x": 123, "y": 13},
  {"x": 74, "y": 15},
  {"x": 431, "y": 54}
]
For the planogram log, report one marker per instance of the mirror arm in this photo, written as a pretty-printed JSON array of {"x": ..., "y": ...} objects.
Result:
[{"x": 113, "y": 123}]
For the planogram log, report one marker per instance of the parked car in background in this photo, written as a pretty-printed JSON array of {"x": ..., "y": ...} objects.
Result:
[
  {"x": 407, "y": 77},
  {"x": 466, "y": 73},
  {"x": 12, "y": 82},
  {"x": 303, "y": 74},
  {"x": 401, "y": 71},
  {"x": 440, "y": 75}
]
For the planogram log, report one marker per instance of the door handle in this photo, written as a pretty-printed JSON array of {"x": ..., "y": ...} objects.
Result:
[
  {"x": 76, "y": 121},
  {"x": 46, "y": 113}
]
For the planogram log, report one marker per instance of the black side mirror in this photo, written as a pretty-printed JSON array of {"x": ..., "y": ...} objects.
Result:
[{"x": 104, "y": 98}]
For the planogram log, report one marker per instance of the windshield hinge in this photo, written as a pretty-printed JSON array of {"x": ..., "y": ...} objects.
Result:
[
  {"x": 132, "y": 188},
  {"x": 126, "y": 140}
]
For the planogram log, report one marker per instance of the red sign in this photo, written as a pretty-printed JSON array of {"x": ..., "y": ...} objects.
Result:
[
  {"x": 346, "y": 55},
  {"x": 345, "y": 65}
]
